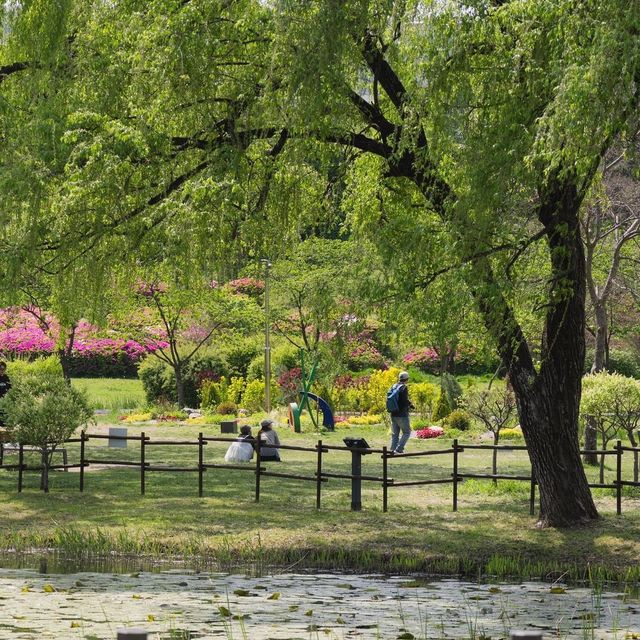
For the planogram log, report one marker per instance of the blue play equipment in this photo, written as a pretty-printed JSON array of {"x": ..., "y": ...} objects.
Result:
[
  {"x": 327, "y": 414},
  {"x": 305, "y": 395}
]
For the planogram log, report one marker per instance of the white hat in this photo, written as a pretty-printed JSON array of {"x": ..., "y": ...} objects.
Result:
[{"x": 403, "y": 376}]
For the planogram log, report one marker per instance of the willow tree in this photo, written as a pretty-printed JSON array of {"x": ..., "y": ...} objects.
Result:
[{"x": 469, "y": 134}]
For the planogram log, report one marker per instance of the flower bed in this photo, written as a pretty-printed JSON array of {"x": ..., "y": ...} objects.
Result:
[{"x": 430, "y": 432}]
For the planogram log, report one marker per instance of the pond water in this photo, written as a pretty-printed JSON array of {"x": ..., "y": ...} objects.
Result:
[{"x": 177, "y": 603}]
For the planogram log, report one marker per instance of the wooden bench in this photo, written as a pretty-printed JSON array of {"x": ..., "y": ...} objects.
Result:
[{"x": 12, "y": 447}]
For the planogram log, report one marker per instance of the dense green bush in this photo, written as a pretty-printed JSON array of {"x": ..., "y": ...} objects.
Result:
[
  {"x": 285, "y": 356},
  {"x": 253, "y": 396},
  {"x": 227, "y": 408},
  {"x": 626, "y": 363},
  {"x": 239, "y": 357},
  {"x": 97, "y": 365},
  {"x": 50, "y": 365},
  {"x": 158, "y": 379},
  {"x": 458, "y": 419}
]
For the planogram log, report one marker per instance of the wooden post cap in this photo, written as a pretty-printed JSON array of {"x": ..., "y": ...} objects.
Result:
[{"x": 133, "y": 633}]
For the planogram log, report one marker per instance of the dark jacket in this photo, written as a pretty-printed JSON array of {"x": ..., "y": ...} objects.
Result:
[
  {"x": 5, "y": 385},
  {"x": 404, "y": 404}
]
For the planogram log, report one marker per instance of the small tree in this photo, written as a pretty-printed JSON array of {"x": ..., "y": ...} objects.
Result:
[
  {"x": 179, "y": 319},
  {"x": 611, "y": 402},
  {"x": 495, "y": 408},
  {"x": 44, "y": 411}
]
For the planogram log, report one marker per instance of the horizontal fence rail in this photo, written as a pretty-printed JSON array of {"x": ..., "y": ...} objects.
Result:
[{"x": 319, "y": 477}]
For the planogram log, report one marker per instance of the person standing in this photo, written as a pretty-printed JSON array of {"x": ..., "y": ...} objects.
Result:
[
  {"x": 5, "y": 385},
  {"x": 400, "y": 425}
]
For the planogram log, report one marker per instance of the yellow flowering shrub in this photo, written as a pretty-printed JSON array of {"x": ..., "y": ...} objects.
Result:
[
  {"x": 371, "y": 418},
  {"x": 376, "y": 393},
  {"x": 511, "y": 434},
  {"x": 138, "y": 417}
]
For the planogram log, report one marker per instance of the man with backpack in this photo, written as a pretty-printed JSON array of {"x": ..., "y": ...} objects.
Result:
[{"x": 398, "y": 405}]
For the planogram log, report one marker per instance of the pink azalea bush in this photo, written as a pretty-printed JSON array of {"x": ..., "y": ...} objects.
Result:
[
  {"x": 22, "y": 335},
  {"x": 430, "y": 432},
  {"x": 363, "y": 353},
  {"x": 426, "y": 359},
  {"x": 248, "y": 286}
]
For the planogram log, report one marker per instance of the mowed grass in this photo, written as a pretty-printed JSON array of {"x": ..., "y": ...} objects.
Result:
[
  {"x": 113, "y": 394},
  {"x": 492, "y": 530}
]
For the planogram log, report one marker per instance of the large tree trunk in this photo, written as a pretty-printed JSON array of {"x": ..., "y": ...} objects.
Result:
[
  {"x": 548, "y": 399},
  {"x": 550, "y": 407}
]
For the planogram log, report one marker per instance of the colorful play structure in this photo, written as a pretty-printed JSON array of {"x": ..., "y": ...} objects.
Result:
[{"x": 295, "y": 409}]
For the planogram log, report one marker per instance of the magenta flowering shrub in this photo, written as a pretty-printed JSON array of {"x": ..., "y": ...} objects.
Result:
[
  {"x": 91, "y": 355},
  {"x": 150, "y": 289},
  {"x": 290, "y": 381},
  {"x": 426, "y": 359},
  {"x": 363, "y": 353},
  {"x": 430, "y": 432}
]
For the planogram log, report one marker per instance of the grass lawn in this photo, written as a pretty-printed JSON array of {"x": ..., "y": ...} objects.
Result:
[
  {"x": 492, "y": 531},
  {"x": 112, "y": 393}
]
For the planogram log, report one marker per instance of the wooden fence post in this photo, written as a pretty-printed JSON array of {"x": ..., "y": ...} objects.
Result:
[
  {"x": 619, "y": 477},
  {"x": 455, "y": 474},
  {"x": 200, "y": 463},
  {"x": 258, "y": 465},
  {"x": 319, "y": 474},
  {"x": 385, "y": 477},
  {"x": 83, "y": 438},
  {"x": 532, "y": 495},
  {"x": 142, "y": 462},
  {"x": 20, "y": 465},
  {"x": 134, "y": 633}
]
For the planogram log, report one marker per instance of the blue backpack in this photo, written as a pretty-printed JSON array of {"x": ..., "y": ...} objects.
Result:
[{"x": 393, "y": 398}]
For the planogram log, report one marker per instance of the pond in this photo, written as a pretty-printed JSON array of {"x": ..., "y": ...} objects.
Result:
[{"x": 179, "y": 603}]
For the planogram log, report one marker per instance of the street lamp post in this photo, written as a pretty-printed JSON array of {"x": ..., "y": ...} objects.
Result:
[{"x": 267, "y": 343}]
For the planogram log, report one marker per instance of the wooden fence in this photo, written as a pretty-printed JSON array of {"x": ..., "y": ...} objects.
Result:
[{"x": 319, "y": 477}]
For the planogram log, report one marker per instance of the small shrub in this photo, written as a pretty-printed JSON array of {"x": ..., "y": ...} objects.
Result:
[
  {"x": 453, "y": 433},
  {"x": 157, "y": 380},
  {"x": 452, "y": 388},
  {"x": 214, "y": 392},
  {"x": 459, "y": 420},
  {"x": 423, "y": 396},
  {"x": 227, "y": 408},
  {"x": 511, "y": 434},
  {"x": 44, "y": 411},
  {"x": 253, "y": 396},
  {"x": 442, "y": 407}
]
